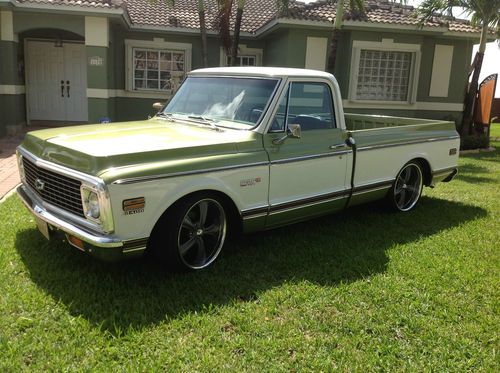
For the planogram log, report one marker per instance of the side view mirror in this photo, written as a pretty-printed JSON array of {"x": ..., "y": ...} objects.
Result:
[
  {"x": 294, "y": 132},
  {"x": 157, "y": 106}
]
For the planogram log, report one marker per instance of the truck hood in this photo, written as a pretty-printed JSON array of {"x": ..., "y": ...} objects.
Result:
[{"x": 95, "y": 149}]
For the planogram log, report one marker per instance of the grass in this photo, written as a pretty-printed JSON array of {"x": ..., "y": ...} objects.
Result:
[
  {"x": 364, "y": 290},
  {"x": 495, "y": 131}
]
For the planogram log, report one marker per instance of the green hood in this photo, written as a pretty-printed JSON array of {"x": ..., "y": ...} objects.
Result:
[{"x": 142, "y": 147}]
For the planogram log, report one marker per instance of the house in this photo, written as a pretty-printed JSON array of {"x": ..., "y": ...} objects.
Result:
[{"x": 87, "y": 60}]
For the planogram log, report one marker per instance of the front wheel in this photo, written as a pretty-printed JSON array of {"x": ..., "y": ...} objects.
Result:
[
  {"x": 407, "y": 188},
  {"x": 191, "y": 235}
]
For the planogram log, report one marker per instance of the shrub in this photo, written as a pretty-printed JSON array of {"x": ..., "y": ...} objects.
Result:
[{"x": 474, "y": 142}]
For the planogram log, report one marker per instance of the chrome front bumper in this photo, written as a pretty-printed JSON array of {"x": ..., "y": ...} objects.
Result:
[{"x": 94, "y": 239}]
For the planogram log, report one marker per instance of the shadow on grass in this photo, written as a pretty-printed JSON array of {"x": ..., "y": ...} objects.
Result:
[
  {"x": 484, "y": 156},
  {"x": 326, "y": 251},
  {"x": 468, "y": 173}
]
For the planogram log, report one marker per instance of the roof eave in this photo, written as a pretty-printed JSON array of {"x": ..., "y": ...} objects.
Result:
[
  {"x": 362, "y": 25},
  {"x": 70, "y": 9}
]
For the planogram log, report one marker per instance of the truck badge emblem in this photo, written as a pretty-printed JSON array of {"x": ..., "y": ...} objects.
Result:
[
  {"x": 39, "y": 184},
  {"x": 133, "y": 205},
  {"x": 250, "y": 182}
]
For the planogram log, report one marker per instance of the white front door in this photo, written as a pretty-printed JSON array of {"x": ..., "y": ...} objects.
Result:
[
  {"x": 56, "y": 81},
  {"x": 307, "y": 174}
]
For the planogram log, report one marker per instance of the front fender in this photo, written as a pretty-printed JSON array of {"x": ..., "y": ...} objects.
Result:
[{"x": 246, "y": 187}]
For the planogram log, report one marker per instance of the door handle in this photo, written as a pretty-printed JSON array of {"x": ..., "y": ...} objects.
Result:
[
  {"x": 67, "y": 88},
  {"x": 62, "y": 88},
  {"x": 337, "y": 146}
]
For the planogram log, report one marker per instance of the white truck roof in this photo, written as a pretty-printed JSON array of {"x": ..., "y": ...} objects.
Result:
[{"x": 262, "y": 71}]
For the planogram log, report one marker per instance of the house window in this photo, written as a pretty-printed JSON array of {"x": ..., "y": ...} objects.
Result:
[
  {"x": 158, "y": 69},
  {"x": 384, "y": 72},
  {"x": 156, "y": 66},
  {"x": 246, "y": 56},
  {"x": 247, "y": 60},
  {"x": 383, "y": 75}
]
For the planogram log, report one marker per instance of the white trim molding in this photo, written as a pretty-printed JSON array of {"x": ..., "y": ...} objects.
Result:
[
  {"x": 385, "y": 45},
  {"x": 441, "y": 70},
  {"x": 316, "y": 53},
  {"x": 6, "y": 26},
  {"x": 96, "y": 32},
  {"x": 111, "y": 93},
  {"x": 12, "y": 89}
]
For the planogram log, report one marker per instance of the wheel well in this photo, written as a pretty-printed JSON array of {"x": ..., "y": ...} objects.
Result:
[
  {"x": 234, "y": 218},
  {"x": 426, "y": 169}
]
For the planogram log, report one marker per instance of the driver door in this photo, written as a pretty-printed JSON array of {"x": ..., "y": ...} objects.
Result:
[{"x": 307, "y": 174}]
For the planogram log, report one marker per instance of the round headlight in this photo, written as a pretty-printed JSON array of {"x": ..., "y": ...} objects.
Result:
[{"x": 93, "y": 206}]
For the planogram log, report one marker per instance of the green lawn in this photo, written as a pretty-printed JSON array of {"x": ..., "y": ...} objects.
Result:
[
  {"x": 495, "y": 130},
  {"x": 361, "y": 291}
]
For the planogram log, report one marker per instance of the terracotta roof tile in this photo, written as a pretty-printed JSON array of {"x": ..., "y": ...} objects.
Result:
[
  {"x": 185, "y": 14},
  {"x": 257, "y": 13},
  {"x": 377, "y": 11}
]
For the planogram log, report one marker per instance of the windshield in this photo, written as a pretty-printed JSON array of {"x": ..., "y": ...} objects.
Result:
[{"x": 228, "y": 102}]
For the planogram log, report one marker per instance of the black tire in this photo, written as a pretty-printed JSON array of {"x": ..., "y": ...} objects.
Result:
[
  {"x": 407, "y": 188},
  {"x": 191, "y": 234}
]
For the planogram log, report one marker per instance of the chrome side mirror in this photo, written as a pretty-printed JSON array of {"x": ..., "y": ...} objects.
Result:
[
  {"x": 294, "y": 132},
  {"x": 157, "y": 106}
]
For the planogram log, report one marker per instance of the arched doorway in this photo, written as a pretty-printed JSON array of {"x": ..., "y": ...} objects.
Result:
[{"x": 56, "y": 76}]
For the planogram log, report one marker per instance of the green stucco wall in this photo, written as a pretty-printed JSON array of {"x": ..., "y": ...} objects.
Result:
[
  {"x": 25, "y": 21},
  {"x": 283, "y": 46},
  {"x": 12, "y": 106},
  {"x": 12, "y": 109},
  {"x": 98, "y": 76},
  {"x": 462, "y": 49},
  {"x": 10, "y": 69}
]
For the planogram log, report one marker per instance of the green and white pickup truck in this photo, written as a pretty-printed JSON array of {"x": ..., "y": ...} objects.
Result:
[{"x": 250, "y": 148}]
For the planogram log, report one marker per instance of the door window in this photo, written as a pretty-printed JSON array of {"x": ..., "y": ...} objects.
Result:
[{"x": 307, "y": 104}]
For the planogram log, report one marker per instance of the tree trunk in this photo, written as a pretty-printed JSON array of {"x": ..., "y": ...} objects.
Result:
[
  {"x": 336, "y": 34},
  {"x": 236, "y": 37},
  {"x": 470, "y": 96},
  {"x": 332, "y": 57},
  {"x": 203, "y": 31}
]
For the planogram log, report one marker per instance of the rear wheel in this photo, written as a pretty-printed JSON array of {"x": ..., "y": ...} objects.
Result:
[
  {"x": 191, "y": 235},
  {"x": 407, "y": 187}
]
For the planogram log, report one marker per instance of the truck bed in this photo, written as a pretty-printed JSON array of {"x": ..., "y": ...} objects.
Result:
[
  {"x": 359, "y": 122},
  {"x": 369, "y": 130}
]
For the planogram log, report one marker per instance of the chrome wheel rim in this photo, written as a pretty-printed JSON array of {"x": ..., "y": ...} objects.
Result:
[
  {"x": 202, "y": 233},
  {"x": 408, "y": 187}
]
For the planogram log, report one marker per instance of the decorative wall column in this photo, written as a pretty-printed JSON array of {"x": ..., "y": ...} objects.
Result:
[
  {"x": 12, "y": 91},
  {"x": 98, "y": 69}
]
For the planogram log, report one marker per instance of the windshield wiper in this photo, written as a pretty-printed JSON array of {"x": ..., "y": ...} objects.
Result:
[
  {"x": 167, "y": 116},
  {"x": 205, "y": 120}
]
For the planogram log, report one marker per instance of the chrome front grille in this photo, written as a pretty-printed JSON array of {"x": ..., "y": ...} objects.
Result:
[{"x": 56, "y": 189}]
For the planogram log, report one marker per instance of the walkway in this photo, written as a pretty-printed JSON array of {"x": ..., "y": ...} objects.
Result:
[{"x": 9, "y": 175}]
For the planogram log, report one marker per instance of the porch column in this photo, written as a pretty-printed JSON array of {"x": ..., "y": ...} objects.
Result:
[
  {"x": 12, "y": 98},
  {"x": 98, "y": 69}
]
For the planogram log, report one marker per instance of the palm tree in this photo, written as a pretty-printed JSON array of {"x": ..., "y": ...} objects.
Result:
[
  {"x": 356, "y": 11},
  {"x": 203, "y": 27},
  {"x": 484, "y": 14},
  {"x": 223, "y": 23},
  {"x": 237, "y": 27},
  {"x": 356, "y": 8}
]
